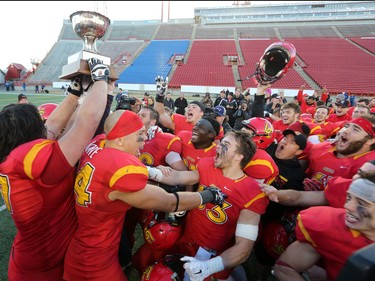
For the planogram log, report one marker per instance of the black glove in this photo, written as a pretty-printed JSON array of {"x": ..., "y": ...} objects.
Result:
[
  {"x": 75, "y": 87},
  {"x": 99, "y": 71},
  {"x": 161, "y": 87},
  {"x": 213, "y": 195}
]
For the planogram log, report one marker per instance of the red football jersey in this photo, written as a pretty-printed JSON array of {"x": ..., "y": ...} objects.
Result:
[
  {"x": 324, "y": 228},
  {"x": 37, "y": 186},
  {"x": 335, "y": 191},
  {"x": 325, "y": 130},
  {"x": 93, "y": 251},
  {"x": 262, "y": 167},
  {"x": 156, "y": 149},
  {"x": 217, "y": 225},
  {"x": 190, "y": 154},
  {"x": 324, "y": 164},
  {"x": 180, "y": 123}
]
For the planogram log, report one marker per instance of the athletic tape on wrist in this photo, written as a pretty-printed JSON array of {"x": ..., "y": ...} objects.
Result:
[
  {"x": 154, "y": 174},
  {"x": 215, "y": 264}
]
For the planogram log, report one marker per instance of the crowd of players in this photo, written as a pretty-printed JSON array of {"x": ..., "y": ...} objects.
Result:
[{"x": 291, "y": 182}]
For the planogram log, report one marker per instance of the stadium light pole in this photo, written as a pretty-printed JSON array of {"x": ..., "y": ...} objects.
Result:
[{"x": 162, "y": 9}]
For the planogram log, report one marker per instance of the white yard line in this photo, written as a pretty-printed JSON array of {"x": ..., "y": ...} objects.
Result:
[{"x": 2, "y": 208}]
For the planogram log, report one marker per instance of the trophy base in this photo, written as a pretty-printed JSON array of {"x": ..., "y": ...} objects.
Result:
[{"x": 81, "y": 67}]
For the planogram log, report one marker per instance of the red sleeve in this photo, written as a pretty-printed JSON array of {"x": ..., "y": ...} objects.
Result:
[
  {"x": 335, "y": 191},
  {"x": 175, "y": 145},
  {"x": 43, "y": 160},
  {"x": 129, "y": 178},
  {"x": 300, "y": 97},
  {"x": 324, "y": 97}
]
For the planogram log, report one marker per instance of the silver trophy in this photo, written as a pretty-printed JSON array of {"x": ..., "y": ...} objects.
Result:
[{"x": 89, "y": 26}]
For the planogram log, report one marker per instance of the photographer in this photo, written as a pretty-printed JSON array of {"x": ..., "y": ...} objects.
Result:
[
  {"x": 127, "y": 103},
  {"x": 242, "y": 113}
]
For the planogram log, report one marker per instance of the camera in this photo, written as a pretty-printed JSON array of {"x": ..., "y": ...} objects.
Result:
[{"x": 125, "y": 102}]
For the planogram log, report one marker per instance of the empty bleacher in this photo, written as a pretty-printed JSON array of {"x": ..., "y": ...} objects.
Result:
[
  {"x": 256, "y": 32},
  {"x": 214, "y": 33},
  {"x": 174, "y": 31},
  {"x": 125, "y": 31},
  {"x": 252, "y": 51},
  {"x": 367, "y": 43},
  {"x": 51, "y": 66},
  {"x": 326, "y": 58},
  {"x": 153, "y": 61},
  {"x": 114, "y": 49},
  {"x": 306, "y": 31},
  {"x": 362, "y": 30},
  {"x": 337, "y": 64},
  {"x": 205, "y": 65}
]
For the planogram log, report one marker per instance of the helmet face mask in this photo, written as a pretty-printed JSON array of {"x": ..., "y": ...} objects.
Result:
[
  {"x": 275, "y": 62},
  {"x": 170, "y": 268},
  {"x": 161, "y": 232}
]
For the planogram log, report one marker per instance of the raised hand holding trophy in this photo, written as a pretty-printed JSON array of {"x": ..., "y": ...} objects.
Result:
[{"x": 89, "y": 26}]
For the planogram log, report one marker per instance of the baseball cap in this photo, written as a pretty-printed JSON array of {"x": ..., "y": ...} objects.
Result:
[
  {"x": 21, "y": 96},
  {"x": 276, "y": 96},
  {"x": 201, "y": 105},
  {"x": 147, "y": 94},
  {"x": 220, "y": 110},
  {"x": 300, "y": 139},
  {"x": 340, "y": 97},
  {"x": 342, "y": 103}
]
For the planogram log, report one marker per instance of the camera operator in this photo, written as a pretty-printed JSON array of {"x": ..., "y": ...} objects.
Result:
[
  {"x": 242, "y": 113},
  {"x": 125, "y": 102}
]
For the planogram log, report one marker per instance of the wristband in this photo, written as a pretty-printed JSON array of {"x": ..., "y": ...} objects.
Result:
[
  {"x": 178, "y": 201},
  {"x": 159, "y": 97}
]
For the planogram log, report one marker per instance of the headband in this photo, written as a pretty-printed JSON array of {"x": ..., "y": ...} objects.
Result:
[
  {"x": 207, "y": 124},
  {"x": 128, "y": 123},
  {"x": 363, "y": 188},
  {"x": 365, "y": 125}
]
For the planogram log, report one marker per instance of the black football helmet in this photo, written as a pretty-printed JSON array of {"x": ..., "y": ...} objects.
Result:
[{"x": 275, "y": 62}]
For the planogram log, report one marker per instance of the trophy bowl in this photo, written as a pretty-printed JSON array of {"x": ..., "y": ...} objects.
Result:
[{"x": 89, "y": 26}]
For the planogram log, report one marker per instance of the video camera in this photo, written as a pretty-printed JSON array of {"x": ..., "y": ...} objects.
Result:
[{"x": 125, "y": 102}]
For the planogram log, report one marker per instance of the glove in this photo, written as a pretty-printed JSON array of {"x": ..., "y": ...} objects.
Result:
[
  {"x": 99, "y": 71},
  {"x": 161, "y": 87},
  {"x": 151, "y": 132},
  {"x": 199, "y": 270},
  {"x": 75, "y": 87},
  {"x": 212, "y": 195},
  {"x": 312, "y": 185}
]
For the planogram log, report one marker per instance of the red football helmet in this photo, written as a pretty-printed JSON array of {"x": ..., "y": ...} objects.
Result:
[
  {"x": 275, "y": 239},
  {"x": 46, "y": 109},
  {"x": 264, "y": 134},
  {"x": 169, "y": 268},
  {"x": 275, "y": 62},
  {"x": 161, "y": 232}
]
